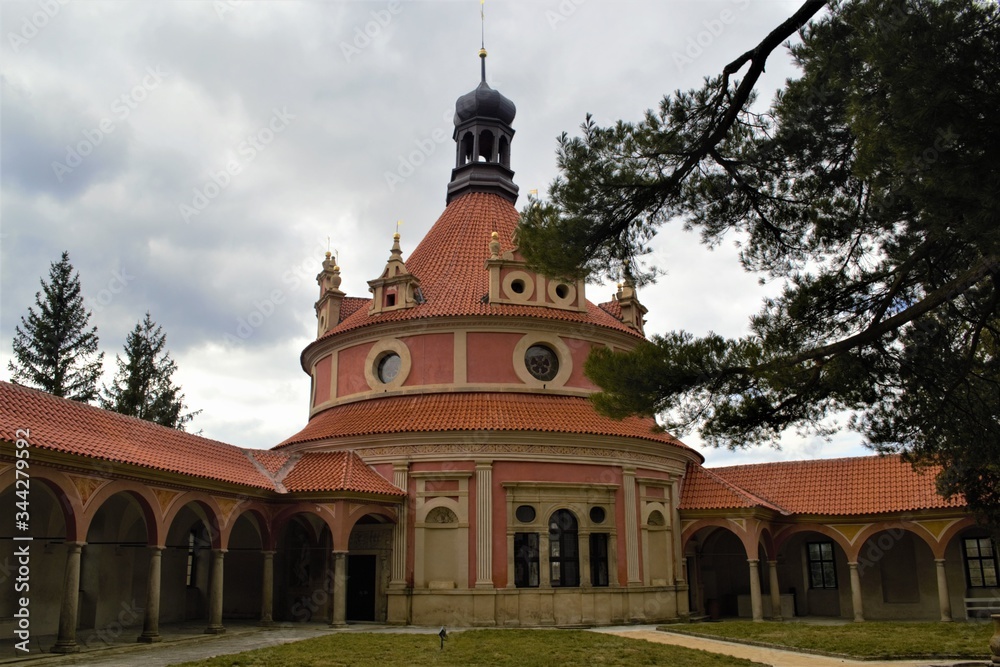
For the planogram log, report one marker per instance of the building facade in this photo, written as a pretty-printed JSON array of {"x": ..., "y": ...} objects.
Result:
[{"x": 454, "y": 472}]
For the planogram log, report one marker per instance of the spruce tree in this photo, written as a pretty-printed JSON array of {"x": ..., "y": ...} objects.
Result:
[
  {"x": 54, "y": 349},
  {"x": 143, "y": 386}
]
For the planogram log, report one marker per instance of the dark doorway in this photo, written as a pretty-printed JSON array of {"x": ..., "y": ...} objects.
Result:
[{"x": 360, "y": 588}]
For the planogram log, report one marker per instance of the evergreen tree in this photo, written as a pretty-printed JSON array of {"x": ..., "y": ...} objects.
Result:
[
  {"x": 143, "y": 385},
  {"x": 54, "y": 350},
  {"x": 870, "y": 190}
]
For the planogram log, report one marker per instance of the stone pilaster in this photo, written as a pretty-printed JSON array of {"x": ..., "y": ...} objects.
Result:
[
  {"x": 397, "y": 579},
  {"x": 484, "y": 524},
  {"x": 631, "y": 526}
]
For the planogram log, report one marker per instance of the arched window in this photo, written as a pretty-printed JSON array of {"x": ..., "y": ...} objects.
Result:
[
  {"x": 486, "y": 146},
  {"x": 564, "y": 550},
  {"x": 504, "y": 152},
  {"x": 465, "y": 148}
]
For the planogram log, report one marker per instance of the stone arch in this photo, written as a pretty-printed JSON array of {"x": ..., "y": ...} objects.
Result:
[
  {"x": 150, "y": 506},
  {"x": 718, "y": 570},
  {"x": 782, "y": 538},
  {"x": 304, "y": 538},
  {"x": 435, "y": 503},
  {"x": 894, "y": 527},
  {"x": 121, "y": 523},
  {"x": 320, "y": 512},
  {"x": 51, "y": 525},
  {"x": 65, "y": 492},
  {"x": 766, "y": 540},
  {"x": 208, "y": 511},
  {"x": 257, "y": 516},
  {"x": 726, "y": 524}
]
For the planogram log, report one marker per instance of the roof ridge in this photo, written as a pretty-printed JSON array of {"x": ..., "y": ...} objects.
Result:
[
  {"x": 752, "y": 497},
  {"x": 860, "y": 457}
]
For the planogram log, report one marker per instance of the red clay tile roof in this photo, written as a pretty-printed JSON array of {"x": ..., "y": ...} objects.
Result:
[
  {"x": 450, "y": 262},
  {"x": 703, "y": 489},
  {"x": 351, "y": 305},
  {"x": 340, "y": 471},
  {"x": 474, "y": 411},
  {"x": 66, "y": 426},
  {"x": 849, "y": 486},
  {"x": 612, "y": 308}
]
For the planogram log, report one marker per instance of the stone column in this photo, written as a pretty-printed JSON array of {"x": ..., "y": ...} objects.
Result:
[
  {"x": 151, "y": 620},
  {"x": 484, "y": 524},
  {"x": 775, "y": 591},
  {"x": 756, "y": 606},
  {"x": 338, "y": 612},
  {"x": 631, "y": 526},
  {"x": 215, "y": 626},
  {"x": 944, "y": 601},
  {"x": 66, "y": 642},
  {"x": 859, "y": 614},
  {"x": 398, "y": 577},
  {"x": 267, "y": 590}
]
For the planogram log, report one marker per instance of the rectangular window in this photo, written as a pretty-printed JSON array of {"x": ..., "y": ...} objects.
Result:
[
  {"x": 526, "y": 560},
  {"x": 822, "y": 568},
  {"x": 192, "y": 559},
  {"x": 980, "y": 562},
  {"x": 599, "y": 559}
]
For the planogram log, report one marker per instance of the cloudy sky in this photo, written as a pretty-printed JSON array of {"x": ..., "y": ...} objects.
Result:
[{"x": 194, "y": 157}]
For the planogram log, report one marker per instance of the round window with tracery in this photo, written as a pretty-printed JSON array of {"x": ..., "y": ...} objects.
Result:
[{"x": 542, "y": 362}]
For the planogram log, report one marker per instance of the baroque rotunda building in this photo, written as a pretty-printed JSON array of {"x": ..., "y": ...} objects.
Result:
[{"x": 454, "y": 472}]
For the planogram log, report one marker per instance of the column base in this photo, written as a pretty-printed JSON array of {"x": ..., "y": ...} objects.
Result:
[
  {"x": 65, "y": 647},
  {"x": 215, "y": 630},
  {"x": 265, "y": 624},
  {"x": 338, "y": 625},
  {"x": 149, "y": 639}
]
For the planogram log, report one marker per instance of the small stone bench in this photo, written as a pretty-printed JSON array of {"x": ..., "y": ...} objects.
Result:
[{"x": 974, "y": 606}]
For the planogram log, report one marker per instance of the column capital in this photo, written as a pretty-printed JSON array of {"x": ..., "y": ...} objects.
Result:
[
  {"x": 268, "y": 553},
  {"x": 155, "y": 548},
  {"x": 220, "y": 551},
  {"x": 75, "y": 547},
  {"x": 852, "y": 564},
  {"x": 400, "y": 466},
  {"x": 754, "y": 562},
  {"x": 484, "y": 464},
  {"x": 772, "y": 563},
  {"x": 939, "y": 561}
]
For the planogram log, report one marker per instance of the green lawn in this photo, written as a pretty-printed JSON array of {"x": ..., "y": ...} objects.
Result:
[
  {"x": 474, "y": 647},
  {"x": 871, "y": 639}
]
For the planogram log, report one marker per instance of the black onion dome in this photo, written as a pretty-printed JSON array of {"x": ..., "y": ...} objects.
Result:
[{"x": 484, "y": 102}]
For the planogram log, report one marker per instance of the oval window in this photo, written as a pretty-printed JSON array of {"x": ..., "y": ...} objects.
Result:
[
  {"x": 597, "y": 514},
  {"x": 542, "y": 362},
  {"x": 388, "y": 367},
  {"x": 525, "y": 513}
]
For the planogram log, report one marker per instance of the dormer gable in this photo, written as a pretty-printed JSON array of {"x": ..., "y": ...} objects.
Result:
[
  {"x": 396, "y": 288},
  {"x": 512, "y": 282}
]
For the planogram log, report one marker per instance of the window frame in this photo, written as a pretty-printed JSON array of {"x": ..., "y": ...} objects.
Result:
[
  {"x": 564, "y": 551},
  {"x": 599, "y": 562},
  {"x": 967, "y": 559},
  {"x": 825, "y": 585},
  {"x": 527, "y": 570}
]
